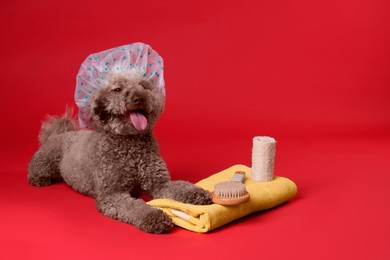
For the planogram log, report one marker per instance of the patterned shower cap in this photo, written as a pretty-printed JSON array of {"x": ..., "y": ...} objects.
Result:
[{"x": 97, "y": 68}]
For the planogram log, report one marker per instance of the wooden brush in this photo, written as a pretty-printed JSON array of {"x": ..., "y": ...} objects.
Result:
[{"x": 231, "y": 192}]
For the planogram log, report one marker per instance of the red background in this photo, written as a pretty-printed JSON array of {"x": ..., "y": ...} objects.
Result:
[{"x": 312, "y": 74}]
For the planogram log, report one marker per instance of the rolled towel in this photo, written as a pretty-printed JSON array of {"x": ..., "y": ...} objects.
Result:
[{"x": 204, "y": 218}]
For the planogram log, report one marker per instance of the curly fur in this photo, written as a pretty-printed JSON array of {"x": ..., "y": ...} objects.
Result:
[
  {"x": 114, "y": 163},
  {"x": 55, "y": 125}
]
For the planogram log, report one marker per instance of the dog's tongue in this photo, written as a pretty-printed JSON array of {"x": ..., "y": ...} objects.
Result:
[{"x": 138, "y": 120}]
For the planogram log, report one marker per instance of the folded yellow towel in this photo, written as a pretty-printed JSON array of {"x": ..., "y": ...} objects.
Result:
[{"x": 263, "y": 195}]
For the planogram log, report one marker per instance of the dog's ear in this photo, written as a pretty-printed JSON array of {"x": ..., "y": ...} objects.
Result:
[
  {"x": 147, "y": 84},
  {"x": 99, "y": 105}
]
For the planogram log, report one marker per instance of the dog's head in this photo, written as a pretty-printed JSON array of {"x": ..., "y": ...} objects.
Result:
[{"x": 127, "y": 105}]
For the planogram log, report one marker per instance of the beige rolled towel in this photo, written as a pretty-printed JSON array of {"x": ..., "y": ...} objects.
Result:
[{"x": 263, "y": 158}]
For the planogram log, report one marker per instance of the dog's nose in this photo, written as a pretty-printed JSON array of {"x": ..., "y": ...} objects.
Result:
[{"x": 138, "y": 100}]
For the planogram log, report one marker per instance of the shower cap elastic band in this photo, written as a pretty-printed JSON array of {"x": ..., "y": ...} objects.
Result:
[{"x": 97, "y": 68}]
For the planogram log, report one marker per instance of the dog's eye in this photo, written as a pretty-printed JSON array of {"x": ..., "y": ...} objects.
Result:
[{"x": 117, "y": 90}]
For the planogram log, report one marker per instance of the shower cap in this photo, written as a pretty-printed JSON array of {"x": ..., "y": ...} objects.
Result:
[{"x": 97, "y": 68}]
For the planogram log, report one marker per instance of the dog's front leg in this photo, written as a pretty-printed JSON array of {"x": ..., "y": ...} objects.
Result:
[
  {"x": 123, "y": 207},
  {"x": 183, "y": 191},
  {"x": 156, "y": 180}
]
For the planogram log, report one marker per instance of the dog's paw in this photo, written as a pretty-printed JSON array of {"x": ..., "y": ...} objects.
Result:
[
  {"x": 156, "y": 222},
  {"x": 185, "y": 192},
  {"x": 197, "y": 196}
]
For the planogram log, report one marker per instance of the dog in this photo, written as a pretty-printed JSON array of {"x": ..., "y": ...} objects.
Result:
[{"x": 116, "y": 161}]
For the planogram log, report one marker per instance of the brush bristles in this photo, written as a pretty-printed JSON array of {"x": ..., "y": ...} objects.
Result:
[{"x": 229, "y": 190}]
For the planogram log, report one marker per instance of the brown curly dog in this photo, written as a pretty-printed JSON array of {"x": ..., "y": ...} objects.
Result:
[{"x": 118, "y": 160}]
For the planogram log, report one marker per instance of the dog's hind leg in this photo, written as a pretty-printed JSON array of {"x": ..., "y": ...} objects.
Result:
[{"x": 43, "y": 169}]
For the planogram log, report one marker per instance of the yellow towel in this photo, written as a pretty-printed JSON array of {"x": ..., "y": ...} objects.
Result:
[{"x": 263, "y": 195}]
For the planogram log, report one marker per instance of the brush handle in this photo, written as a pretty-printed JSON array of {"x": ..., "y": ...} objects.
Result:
[{"x": 239, "y": 176}]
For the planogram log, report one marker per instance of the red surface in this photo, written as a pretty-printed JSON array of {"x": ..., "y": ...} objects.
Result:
[{"x": 312, "y": 74}]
